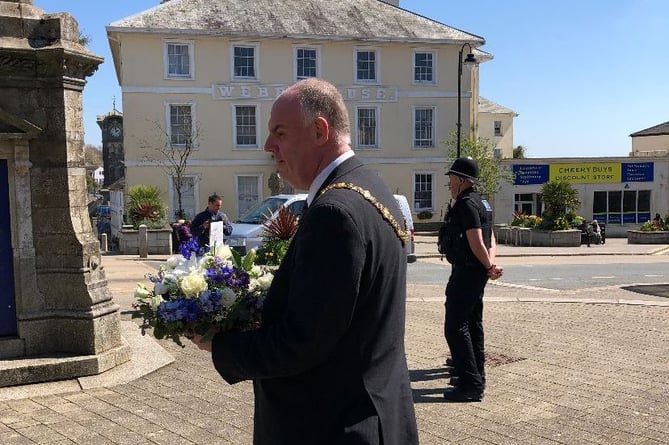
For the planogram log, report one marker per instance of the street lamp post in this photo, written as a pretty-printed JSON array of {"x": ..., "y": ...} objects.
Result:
[{"x": 470, "y": 60}]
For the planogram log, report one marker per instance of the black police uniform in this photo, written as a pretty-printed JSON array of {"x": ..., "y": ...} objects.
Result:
[{"x": 463, "y": 326}]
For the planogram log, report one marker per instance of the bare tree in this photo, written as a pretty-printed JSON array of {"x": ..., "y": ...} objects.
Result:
[{"x": 173, "y": 155}]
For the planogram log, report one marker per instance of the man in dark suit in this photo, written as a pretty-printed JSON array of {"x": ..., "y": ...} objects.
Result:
[{"x": 328, "y": 363}]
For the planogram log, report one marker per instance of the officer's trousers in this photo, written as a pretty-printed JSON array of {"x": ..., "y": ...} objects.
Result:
[{"x": 463, "y": 326}]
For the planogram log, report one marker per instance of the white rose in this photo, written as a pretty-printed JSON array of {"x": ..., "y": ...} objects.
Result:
[
  {"x": 228, "y": 297},
  {"x": 223, "y": 251},
  {"x": 262, "y": 282},
  {"x": 192, "y": 285}
]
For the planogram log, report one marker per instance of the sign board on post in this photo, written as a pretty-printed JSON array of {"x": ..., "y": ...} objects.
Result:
[{"x": 215, "y": 234}]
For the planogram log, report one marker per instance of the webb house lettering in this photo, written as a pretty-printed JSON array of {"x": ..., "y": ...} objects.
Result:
[{"x": 271, "y": 92}]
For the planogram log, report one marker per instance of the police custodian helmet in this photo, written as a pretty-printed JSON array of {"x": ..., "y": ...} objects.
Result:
[{"x": 465, "y": 168}]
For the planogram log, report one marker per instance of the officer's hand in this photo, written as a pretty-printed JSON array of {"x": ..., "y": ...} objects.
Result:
[{"x": 495, "y": 272}]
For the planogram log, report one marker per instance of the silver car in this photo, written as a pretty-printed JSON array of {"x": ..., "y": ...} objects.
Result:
[{"x": 247, "y": 231}]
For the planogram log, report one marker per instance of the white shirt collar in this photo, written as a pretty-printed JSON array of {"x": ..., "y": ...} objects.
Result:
[{"x": 323, "y": 175}]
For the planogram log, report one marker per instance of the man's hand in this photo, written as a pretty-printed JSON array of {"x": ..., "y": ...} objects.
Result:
[
  {"x": 495, "y": 272},
  {"x": 197, "y": 339}
]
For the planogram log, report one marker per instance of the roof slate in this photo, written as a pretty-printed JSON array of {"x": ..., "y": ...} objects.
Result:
[
  {"x": 657, "y": 130},
  {"x": 488, "y": 106},
  {"x": 371, "y": 20}
]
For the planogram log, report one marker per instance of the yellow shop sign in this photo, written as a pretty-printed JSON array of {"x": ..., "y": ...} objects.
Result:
[{"x": 586, "y": 173}]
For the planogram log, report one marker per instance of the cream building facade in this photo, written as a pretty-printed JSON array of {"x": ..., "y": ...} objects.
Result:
[
  {"x": 212, "y": 69},
  {"x": 495, "y": 125},
  {"x": 621, "y": 192},
  {"x": 653, "y": 141}
]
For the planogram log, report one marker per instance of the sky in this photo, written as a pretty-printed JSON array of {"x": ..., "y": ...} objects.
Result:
[{"x": 581, "y": 75}]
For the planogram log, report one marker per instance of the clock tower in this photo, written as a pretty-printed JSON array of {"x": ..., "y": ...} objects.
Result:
[{"x": 113, "y": 156}]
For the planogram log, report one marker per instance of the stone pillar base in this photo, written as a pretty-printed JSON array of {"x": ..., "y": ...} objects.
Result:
[{"x": 60, "y": 367}]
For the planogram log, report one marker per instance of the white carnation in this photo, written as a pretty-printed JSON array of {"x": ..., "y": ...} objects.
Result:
[{"x": 228, "y": 297}]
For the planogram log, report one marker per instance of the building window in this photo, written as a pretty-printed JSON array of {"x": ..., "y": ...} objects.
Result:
[
  {"x": 626, "y": 207},
  {"x": 178, "y": 60},
  {"x": 366, "y": 66},
  {"x": 498, "y": 128},
  {"x": 423, "y": 127},
  {"x": 244, "y": 62},
  {"x": 181, "y": 125},
  {"x": 306, "y": 62},
  {"x": 245, "y": 126},
  {"x": 367, "y": 130},
  {"x": 248, "y": 192},
  {"x": 423, "y": 67},
  {"x": 526, "y": 203},
  {"x": 423, "y": 192}
]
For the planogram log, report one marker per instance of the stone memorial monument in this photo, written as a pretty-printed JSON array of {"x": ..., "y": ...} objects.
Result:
[{"x": 57, "y": 316}]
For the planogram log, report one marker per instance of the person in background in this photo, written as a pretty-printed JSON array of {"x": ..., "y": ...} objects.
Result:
[
  {"x": 470, "y": 247},
  {"x": 201, "y": 223},
  {"x": 658, "y": 221},
  {"x": 328, "y": 363}
]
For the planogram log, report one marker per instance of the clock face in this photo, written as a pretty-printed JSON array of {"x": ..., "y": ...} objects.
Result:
[{"x": 115, "y": 131}]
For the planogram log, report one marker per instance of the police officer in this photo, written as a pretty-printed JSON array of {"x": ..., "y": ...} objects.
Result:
[{"x": 472, "y": 254}]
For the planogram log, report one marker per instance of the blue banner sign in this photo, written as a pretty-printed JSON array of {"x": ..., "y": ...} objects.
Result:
[
  {"x": 526, "y": 174},
  {"x": 637, "y": 172}
]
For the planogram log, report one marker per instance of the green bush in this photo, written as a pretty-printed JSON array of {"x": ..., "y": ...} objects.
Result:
[
  {"x": 145, "y": 207},
  {"x": 655, "y": 226}
]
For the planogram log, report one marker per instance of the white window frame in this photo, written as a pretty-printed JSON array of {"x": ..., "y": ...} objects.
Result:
[
  {"x": 255, "y": 146},
  {"x": 259, "y": 178},
  {"x": 377, "y": 132},
  {"x": 377, "y": 65},
  {"x": 497, "y": 128},
  {"x": 415, "y": 81},
  {"x": 168, "y": 121},
  {"x": 432, "y": 175},
  {"x": 317, "y": 49},
  {"x": 191, "y": 59},
  {"x": 414, "y": 109},
  {"x": 256, "y": 61}
]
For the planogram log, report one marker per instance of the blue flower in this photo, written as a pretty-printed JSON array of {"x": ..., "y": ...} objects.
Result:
[{"x": 186, "y": 248}]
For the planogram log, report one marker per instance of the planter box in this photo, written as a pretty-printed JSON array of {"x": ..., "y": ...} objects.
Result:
[
  {"x": 556, "y": 238},
  {"x": 539, "y": 238},
  {"x": 639, "y": 237},
  {"x": 159, "y": 241}
]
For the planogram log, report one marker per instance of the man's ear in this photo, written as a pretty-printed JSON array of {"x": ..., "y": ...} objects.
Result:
[{"x": 322, "y": 130}]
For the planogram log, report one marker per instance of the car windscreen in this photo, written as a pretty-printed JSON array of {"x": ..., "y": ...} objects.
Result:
[{"x": 261, "y": 211}]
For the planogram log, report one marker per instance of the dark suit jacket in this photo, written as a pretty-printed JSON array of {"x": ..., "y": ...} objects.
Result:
[{"x": 328, "y": 364}]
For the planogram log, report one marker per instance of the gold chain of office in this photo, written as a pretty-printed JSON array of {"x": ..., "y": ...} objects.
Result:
[{"x": 403, "y": 235}]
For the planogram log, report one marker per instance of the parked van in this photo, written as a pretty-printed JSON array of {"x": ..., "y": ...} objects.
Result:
[
  {"x": 247, "y": 231},
  {"x": 406, "y": 211}
]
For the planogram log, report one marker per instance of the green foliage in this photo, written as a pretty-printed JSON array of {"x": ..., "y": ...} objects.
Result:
[
  {"x": 425, "y": 214},
  {"x": 559, "y": 198},
  {"x": 655, "y": 226},
  {"x": 277, "y": 234},
  {"x": 482, "y": 151},
  {"x": 522, "y": 220},
  {"x": 145, "y": 207},
  {"x": 519, "y": 152},
  {"x": 272, "y": 251}
]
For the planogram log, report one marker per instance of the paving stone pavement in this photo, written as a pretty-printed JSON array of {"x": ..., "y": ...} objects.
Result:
[{"x": 562, "y": 369}]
